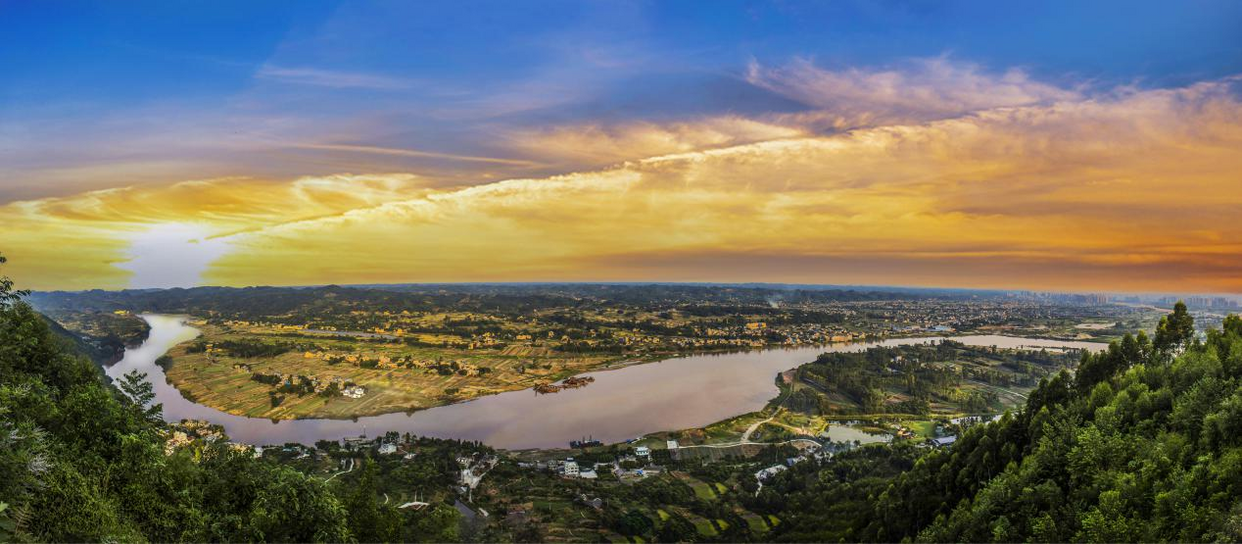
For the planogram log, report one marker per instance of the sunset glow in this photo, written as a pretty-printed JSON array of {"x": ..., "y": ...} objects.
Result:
[{"x": 921, "y": 170}]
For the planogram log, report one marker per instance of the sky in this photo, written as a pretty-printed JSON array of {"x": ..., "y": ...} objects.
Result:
[{"x": 1071, "y": 146}]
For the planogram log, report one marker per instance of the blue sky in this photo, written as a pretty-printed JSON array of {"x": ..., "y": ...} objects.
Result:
[
  {"x": 125, "y": 53},
  {"x": 88, "y": 83}
]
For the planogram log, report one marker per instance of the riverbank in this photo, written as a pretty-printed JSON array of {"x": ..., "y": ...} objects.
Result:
[
  {"x": 383, "y": 375},
  {"x": 386, "y": 374},
  {"x": 622, "y": 403}
]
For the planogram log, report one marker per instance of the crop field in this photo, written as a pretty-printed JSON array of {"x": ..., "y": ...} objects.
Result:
[
  {"x": 704, "y": 526},
  {"x": 701, "y": 489},
  {"x": 755, "y": 522},
  {"x": 405, "y": 377}
]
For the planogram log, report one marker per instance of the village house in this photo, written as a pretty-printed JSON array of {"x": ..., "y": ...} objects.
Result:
[
  {"x": 769, "y": 472},
  {"x": 354, "y": 392}
]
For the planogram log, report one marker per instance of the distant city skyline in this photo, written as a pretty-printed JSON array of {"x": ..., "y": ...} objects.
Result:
[
  {"x": 1200, "y": 300},
  {"x": 1044, "y": 146}
]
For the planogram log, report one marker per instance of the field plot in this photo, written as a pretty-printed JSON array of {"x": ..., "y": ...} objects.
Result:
[
  {"x": 701, "y": 489},
  {"x": 755, "y": 522}
]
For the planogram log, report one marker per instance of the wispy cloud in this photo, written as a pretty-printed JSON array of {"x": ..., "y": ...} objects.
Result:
[
  {"x": 332, "y": 78},
  {"x": 602, "y": 144},
  {"x": 917, "y": 90},
  {"x": 413, "y": 153}
]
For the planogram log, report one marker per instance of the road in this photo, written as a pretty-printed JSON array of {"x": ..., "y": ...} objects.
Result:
[
  {"x": 748, "y": 443},
  {"x": 751, "y": 430},
  {"x": 351, "y": 467}
]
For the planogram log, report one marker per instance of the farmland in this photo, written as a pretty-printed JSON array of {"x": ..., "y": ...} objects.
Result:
[{"x": 393, "y": 375}]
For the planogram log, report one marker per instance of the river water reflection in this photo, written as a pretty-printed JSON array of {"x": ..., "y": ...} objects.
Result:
[{"x": 623, "y": 403}]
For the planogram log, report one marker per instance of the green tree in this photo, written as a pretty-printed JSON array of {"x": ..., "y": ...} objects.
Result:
[
  {"x": 440, "y": 523},
  {"x": 677, "y": 529},
  {"x": 1175, "y": 330},
  {"x": 369, "y": 520},
  {"x": 142, "y": 393},
  {"x": 290, "y": 507},
  {"x": 633, "y": 523}
]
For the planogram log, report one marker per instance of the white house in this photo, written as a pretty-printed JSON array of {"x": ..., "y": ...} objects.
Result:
[
  {"x": 769, "y": 472},
  {"x": 571, "y": 468},
  {"x": 469, "y": 478},
  {"x": 642, "y": 451}
]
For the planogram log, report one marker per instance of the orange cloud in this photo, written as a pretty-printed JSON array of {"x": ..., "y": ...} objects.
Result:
[
  {"x": 1134, "y": 190},
  {"x": 600, "y": 144}
]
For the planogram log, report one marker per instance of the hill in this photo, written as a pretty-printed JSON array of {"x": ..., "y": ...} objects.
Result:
[
  {"x": 82, "y": 461},
  {"x": 1143, "y": 444}
]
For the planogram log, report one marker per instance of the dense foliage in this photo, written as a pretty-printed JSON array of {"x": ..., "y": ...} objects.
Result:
[
  {"x": 1143, "y": 444},
  {"x": 82, "y": 461},
  {"x": 923, "y": 373}
]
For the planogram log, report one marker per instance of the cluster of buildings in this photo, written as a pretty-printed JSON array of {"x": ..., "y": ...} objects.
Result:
[
  {"x": 794, "y": 334},
  {"x": 386, "y": 362},
  {"x": 282, "y": 327},
  {"x": 1208, "y": 303},
  {"x": 473, "y": 468},
  {"x": 631, "y": 466},
  {"x": 188, "y": 431},
  {"x": 1062, "y": 298},
  {"x": 346, "y": 388},
  {"x": 810, "y": 452}
]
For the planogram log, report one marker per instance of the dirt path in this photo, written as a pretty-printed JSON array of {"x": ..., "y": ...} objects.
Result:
[
  {"x": 351, "y": 468},
  {"x": 751, "y": 430}
]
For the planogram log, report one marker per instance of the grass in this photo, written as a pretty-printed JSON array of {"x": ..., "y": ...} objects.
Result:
[
  {"x": 755, "y": 522},
  {"x": 550, "y": 506},
  {"x": 703, "y": 526},
  {"x": 701, "y": 490},
  {"x": 923, "y": 428}
]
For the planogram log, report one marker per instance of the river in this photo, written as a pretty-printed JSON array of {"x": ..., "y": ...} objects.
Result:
[{"x": 624, "y": 403}]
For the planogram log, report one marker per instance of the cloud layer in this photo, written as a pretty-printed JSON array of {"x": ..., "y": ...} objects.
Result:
[{"x": 935, "y": 173}]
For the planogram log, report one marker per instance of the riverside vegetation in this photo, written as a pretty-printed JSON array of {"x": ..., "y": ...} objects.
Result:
[{"x": 289, "y": 353}]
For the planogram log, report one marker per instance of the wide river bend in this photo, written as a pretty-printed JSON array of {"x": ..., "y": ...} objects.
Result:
[{"x": 623, "y": 403}]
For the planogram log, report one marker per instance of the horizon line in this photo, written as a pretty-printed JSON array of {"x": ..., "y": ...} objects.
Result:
[{"x": 752, "y": 284}]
